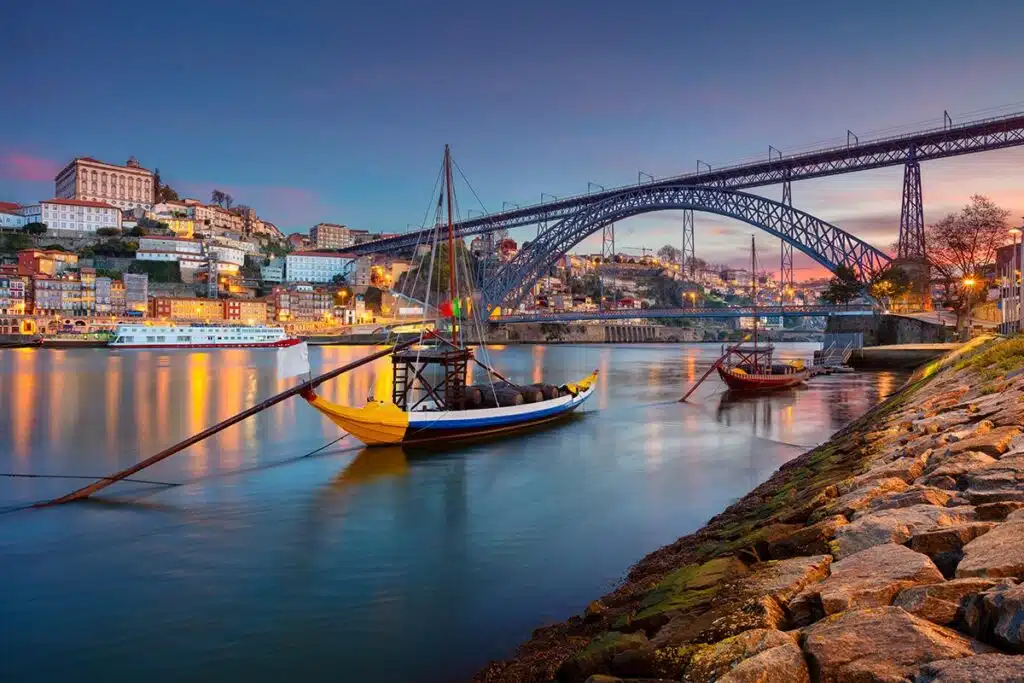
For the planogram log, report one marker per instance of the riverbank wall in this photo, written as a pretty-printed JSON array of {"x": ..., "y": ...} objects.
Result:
[{"x": 893, "y": 552}]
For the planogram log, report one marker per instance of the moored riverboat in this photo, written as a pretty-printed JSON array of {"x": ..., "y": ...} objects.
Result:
[{"x": 166, "y": 335}]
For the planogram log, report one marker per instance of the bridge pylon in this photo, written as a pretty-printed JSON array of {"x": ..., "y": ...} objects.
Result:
[
  {"x": 911, "y": 255},
  {"x": 689, "y": 256},
  {"x": 786, "y": 287}
]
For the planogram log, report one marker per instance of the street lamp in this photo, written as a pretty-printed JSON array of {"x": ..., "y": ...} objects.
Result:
[{"x": 1013, "y": 321}]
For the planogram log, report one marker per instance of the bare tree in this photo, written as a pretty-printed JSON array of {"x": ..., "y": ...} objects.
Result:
[
  {"x": 962, "y": 245},
  {"x": 228, "y": 200},
  {"x": 217, "y": 197}
]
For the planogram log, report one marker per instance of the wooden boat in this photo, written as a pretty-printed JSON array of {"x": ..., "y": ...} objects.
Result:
[
  {"x": 430, "y": 401},
  {"x": 750, "y": 368}
]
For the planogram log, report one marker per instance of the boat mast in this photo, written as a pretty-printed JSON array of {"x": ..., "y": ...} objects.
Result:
[
  {"x": 753, "y": 297},
  {"x": 451, "y": 240}
]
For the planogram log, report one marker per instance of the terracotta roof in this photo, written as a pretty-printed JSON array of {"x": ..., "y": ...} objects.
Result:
[
  {"x": 9, "y": 206},
  {"x": 78, "y": 202}
]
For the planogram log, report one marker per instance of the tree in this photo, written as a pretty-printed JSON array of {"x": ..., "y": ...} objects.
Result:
[
  {"x": 373, "y": 299},
  {"x": 669, "y": 254},
  {"x": 843, "y": 287},
  {"x": 35, "y": 228},
  {"x": 962, "y": 244},
  {"x": 137, "y": 231},
  {"x": 340, "y": 279},
  {"x": 166, "y": 193},
  {"x": 107, "y": 232},
  {"x": 228, "y": 201},
  {"x": 890, "y": 284},
  {"x": 17, "y": 242},
  {"x": 217, "y": 197}
]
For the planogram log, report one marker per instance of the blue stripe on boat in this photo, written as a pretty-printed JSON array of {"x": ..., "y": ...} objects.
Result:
[{"x": 497, "y": 419}]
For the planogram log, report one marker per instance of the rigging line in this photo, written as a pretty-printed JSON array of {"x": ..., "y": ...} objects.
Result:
[{"x": 470, "y": 186}]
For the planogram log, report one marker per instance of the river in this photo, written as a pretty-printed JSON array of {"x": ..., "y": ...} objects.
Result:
[{"x": 352, "y": 564}]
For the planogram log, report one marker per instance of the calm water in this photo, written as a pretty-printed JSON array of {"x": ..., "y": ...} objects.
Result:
[{"x": 352, "y": 565}]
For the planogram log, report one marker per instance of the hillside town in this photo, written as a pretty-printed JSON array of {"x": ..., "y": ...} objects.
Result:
[{"x": 115, "y": 243}]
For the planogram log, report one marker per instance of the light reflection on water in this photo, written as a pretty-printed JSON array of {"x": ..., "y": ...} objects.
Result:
[{"x": 355, "y": 564}]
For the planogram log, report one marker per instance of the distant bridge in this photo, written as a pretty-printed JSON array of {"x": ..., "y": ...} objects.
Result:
[{"x": 697, "y": 312}]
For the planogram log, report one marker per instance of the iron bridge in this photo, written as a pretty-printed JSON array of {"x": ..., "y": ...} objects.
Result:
[{"x": 938, "y": 143}]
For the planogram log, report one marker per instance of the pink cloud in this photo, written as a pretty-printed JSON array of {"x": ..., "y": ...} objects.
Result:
[{"x": 23, "y": 167}]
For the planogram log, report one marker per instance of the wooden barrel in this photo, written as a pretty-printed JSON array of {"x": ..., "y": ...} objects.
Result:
[
  {"x": 474, "y": 397},
  {"x": 532, "y": 394},
  {"x": 501, "y": 397},
  {"x": 550, "y": 391}
]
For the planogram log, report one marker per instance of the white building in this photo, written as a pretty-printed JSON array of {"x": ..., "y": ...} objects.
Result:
[
  {"x": 77, "y": 215},
  {"x": 228, "y": 255},
  {"x": 314, "y": 266},
  {"x": 188, "y": 253},
  {"x": 88, "y": 179},
  {"x": 248, "y": 247},
  {"x": 11, "y": 220},
  {"x": 273, "y": 271}
]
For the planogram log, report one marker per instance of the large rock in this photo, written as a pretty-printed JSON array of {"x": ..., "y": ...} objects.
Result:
[
  {"x": 945, "y": 546},
  {"x": 990, "y": 668},
  {"x": 942, "y": 422},
  {"x": 948, "y": 473},
  {"x": 941, "y": 603},
  {"x": 997, "y": 616},
  {"x": 907, "y": 468},
  {"x": 896, "y": 526},
  {"x": 873, "y": 577},
  {"x": 860, "y": 498},
  {"x": 596, "y": 657},
  {"x": 805, "y": 608},
  {"x": 1006, "y": 473},
  {"x": 994, "y": 442},
  {"x": 758, "y": 600},
  {"x": 810, "y": 540},
  {"x": 915, "y": 495},
  {"x": 690, "y": 588},
  {"x": 997, "y": 554},
  {"x": 782, "y": 664},
  {"x": 879, "y": 644},
  {"x": 996, "y": 512},
  {"x": 713, "y": 662}
]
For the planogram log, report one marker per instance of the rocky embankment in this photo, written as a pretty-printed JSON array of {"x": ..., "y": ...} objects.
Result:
[{"x": 895, "y": 552}]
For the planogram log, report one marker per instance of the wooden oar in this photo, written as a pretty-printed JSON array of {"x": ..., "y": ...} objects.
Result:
[
  {"x": 308, "y": 385},
  {"x": 713, "y": 367}
]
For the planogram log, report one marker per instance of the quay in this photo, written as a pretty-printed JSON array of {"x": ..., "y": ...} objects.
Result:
[
  {"x": 906, "y": 356},
  {"x": 891, "y": 552}
]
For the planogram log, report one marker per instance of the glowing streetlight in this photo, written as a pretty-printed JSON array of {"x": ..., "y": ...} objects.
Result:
[{"x": 969, "y": 282}]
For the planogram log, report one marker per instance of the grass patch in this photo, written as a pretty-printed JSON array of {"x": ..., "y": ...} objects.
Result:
[{"x": 997, "y": 360}]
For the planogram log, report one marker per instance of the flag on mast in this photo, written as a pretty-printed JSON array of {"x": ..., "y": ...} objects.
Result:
[{"x": 293, "y": 361}]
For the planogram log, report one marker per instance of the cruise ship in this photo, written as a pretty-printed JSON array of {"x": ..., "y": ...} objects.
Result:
[{"x": 144, "y": 336}]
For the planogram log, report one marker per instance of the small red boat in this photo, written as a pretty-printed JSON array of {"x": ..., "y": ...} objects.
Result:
[{"x": 751, "y": 369}]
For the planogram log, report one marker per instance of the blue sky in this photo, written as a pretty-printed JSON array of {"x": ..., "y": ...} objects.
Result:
[{"x": 339, "y": 112}]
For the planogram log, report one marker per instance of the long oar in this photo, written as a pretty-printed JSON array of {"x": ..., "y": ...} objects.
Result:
[
  {"x": 713, "y": 367},
  {"x": 92, "y": 488}
]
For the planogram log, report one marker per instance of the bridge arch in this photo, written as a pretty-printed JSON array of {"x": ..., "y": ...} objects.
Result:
[{"x": 822, "y": 241}]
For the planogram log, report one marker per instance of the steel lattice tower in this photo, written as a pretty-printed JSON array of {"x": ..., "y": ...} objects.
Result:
[
  {"x": 911, "y": 245},
  {"x": 607, "y": 252},
  {"x": 689, "y": 255},
  {"x": 786, "y": 261}
]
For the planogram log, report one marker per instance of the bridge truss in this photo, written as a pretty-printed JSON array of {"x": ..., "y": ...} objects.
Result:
[
  {"x": 698, "y": 312},
  {"x": 822, "y": 241}
]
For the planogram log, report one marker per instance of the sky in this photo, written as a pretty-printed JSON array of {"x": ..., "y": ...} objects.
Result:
[{"x": 339, "y": 111}]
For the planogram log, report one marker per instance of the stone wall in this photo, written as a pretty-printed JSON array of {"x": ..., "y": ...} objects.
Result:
[{"x": 881, "y": 330}]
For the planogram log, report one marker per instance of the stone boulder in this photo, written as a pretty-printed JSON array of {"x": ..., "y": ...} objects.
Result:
[
  {"x": 997, "y": 616},
  {"x": 873, "y": 577},
  {"x": 688, "y": 589},
  {"x": 805, "y": 608},
  {"x": 809, "y": 540},
  {"x": 860, "y": 498},
  {"x": 896, "y": 526},
  {"x": 990, "y": 668},
  {"x": 907, "y": 468},
  {"x": 711, "y": 663},
  {"x": 782, "y": 664},
  {"x": 915, "y": 495},
  {"x": 941, "y": 603},
  {"x": 879, "y": 644},
  {"x": 596, "y": 657},
  {"x": 945, "y": 546},
  {"x": 948, "y": 473},
  {"x": 997, "y": 512},
  {"x": 755, "y": 601},
  {"x": 942, "y": 422},
  {"x": 994, "y": 442},
  {"x": 997, "y": 554}
]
